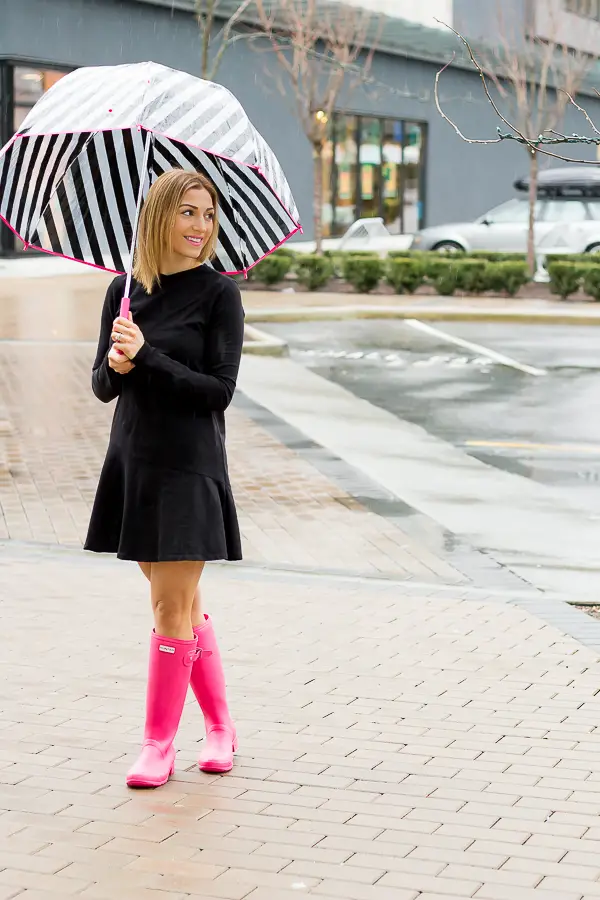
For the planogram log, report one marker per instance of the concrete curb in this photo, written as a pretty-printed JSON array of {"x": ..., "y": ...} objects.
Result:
[
  {"x": 260, "y": 343},
  {"x": 439, "y": 313}
]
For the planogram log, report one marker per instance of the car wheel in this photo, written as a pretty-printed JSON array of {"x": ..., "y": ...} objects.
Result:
[
  {"x": 593, "y": 248},
  {"x": 448, "y": 247}
]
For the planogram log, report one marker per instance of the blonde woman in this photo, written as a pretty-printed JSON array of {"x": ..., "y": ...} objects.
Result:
[{"x": 164, "y": 498}]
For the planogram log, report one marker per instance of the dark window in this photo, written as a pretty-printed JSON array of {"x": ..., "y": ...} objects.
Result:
[{"x": 20, "y": 89}]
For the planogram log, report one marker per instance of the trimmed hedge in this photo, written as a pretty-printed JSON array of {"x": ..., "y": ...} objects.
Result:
[
  {"x": 405, "y": 275},
  {"x": 449, "y": 274},
  {"x": 412, "y": 254},
  {"x": 363, "y": 272},
  {"x": 585, "y": 258},
  {"x": 507, "y": 276},
  {"x": 407, "y": 270},
  {"x": 497, "y": 256},
  {"x": 565, "y": 277},
  {"x": 313, "y": 271},
  {"x": 591, "y": 281},
  {"x": 273, "y": 268}
]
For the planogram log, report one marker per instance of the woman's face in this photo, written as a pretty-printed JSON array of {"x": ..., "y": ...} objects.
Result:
[{"x": 194, "y": 223}]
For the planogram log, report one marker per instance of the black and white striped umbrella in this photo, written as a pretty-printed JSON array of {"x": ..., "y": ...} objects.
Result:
[{"x": 74, "y": 176}]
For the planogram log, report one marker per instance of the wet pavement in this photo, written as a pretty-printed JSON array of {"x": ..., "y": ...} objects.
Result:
[
  {"x": 544, "y": 427},
  {"x": 398, "y": 741}
]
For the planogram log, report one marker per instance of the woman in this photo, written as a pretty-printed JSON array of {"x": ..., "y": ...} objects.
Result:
[{"x": 164, "y": 497}]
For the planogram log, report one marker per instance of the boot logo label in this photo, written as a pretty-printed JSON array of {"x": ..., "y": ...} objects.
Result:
[{"x": 164, "y": 648}]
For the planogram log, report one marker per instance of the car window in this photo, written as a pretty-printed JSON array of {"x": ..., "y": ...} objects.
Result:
[
  {"x": 515, "y": 211},
  {"x": 565, "y": 211}
]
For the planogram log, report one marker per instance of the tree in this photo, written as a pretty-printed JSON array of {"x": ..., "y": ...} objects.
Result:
[
  {"x": 321, "y": 49},
  {"x": 207, "y": 14},
  {"x": 536, "y": 79}
]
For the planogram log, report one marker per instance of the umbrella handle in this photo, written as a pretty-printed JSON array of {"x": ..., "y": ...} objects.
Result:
[{"x": 124, "y": 313}]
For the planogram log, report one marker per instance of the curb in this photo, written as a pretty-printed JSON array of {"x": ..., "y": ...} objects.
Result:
[
  {"x": 439, "y": 313},
  {"x": 260, "y": 343}
]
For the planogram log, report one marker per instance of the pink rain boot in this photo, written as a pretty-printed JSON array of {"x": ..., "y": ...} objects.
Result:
[
  {"x": 208, "y": 684},
  {"x": 169, "y": 673}
]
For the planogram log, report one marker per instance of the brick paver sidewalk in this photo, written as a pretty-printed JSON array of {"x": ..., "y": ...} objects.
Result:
[
  {"x": 395, "y": 744},
  {"x": 398, "y": 742},
  {"x": 290, "y": 514}
]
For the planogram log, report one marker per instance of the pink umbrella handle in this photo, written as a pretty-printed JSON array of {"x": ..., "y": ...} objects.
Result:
[{"x": 124, "y": 313}]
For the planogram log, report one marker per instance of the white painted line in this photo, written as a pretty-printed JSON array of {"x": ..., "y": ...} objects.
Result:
[{"x": 475, "y": 348}]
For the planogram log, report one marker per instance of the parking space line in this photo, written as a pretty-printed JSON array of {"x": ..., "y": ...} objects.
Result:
[
  {"x": 527, "y": 445},
  {"x": 475, "y": 348}
]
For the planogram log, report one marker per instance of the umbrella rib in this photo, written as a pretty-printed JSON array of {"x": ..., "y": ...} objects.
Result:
[{"x": 149, "y": 141}]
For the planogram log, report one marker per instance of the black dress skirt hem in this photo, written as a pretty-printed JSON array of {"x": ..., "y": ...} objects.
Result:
[{"x": 195, "y": 558}]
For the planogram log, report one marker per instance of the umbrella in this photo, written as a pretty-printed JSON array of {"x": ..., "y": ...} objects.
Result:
[{"x": 73, "y": 179}]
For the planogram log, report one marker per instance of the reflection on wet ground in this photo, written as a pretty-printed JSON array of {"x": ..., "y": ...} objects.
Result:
[{"x": 544, "y": 428}]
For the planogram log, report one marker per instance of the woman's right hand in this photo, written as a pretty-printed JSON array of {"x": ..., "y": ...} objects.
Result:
[{"x": 119, "y": 362}]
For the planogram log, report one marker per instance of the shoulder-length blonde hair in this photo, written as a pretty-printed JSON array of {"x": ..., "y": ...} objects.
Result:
[{"x": 157, "y": 218}]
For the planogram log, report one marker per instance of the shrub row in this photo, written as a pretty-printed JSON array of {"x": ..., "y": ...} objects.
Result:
[
  {"x": 405, "y": 273},
  {"x": 487, "y": 255},
  {"x": 567, "y": 277},
  {"x": 448, "y": 274}
]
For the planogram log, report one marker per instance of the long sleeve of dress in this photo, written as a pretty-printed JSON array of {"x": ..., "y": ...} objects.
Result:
[
  {"x": 209, "y": 391},
  {"x": 106, "y": 383}
]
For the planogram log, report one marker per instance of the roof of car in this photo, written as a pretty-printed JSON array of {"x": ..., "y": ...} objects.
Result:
[{"x": 565, "y": 181}]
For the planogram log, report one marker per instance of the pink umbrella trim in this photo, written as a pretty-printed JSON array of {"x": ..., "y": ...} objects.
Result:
[{"x": 238, "y": 162}]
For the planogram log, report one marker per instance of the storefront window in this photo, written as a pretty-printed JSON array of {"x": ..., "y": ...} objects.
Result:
[
  {"x": 370, "y": 167},
  {"x": 345, "y": 172},
  {"x": 392, "y": 175},
  {"x": 28, "y": 87},
  {"x": 411, "y": 166},
  {"x": 375, "y": 169}
]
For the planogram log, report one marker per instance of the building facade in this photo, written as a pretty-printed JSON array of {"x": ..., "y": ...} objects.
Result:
[{"x": 389, "y": 152}]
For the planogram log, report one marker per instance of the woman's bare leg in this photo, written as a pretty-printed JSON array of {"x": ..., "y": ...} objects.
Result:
[
  {"x": 197, "y": 616},
  {"x": 172, "y": 589}
]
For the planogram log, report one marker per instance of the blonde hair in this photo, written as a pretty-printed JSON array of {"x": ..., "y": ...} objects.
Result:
[{"x": 157, "y": 218}]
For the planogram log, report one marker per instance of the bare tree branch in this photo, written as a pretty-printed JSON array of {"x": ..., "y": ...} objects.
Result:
[
  {"x": 225, "y": 39},
  {"x": 537, "y": 80},
  {"x": 581, "y": 110},
  {"x": 449, "y": 120},
  {"x": 207, "y": 12},
  {"x": 482, "y": 75},
  {"x": 320, "y": 52}
]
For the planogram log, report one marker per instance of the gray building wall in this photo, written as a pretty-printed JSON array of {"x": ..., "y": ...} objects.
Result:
[
  {"x": 482, "y": 18},
  {"x": 463, "y": 180}
]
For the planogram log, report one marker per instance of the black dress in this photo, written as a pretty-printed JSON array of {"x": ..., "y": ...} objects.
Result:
[{"x": 164, "y": 492}]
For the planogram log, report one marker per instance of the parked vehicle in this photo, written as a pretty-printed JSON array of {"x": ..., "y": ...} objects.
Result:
[
  {"x": 364, "y": 234},
  {"x": 567, "y": 218}
]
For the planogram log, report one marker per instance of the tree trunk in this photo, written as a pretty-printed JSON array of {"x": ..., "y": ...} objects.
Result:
[
  {"x": 205, "y": 13},
  {"x": 533, "y": 183},
  {"x": 318, "y": 196}
]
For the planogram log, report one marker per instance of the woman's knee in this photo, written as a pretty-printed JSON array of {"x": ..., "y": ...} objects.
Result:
[{"x": 174, "y": 605}]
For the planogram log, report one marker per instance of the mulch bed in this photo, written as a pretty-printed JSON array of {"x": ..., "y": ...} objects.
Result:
[
  {"x": 532, "y": 291},
  {"x": 593, "y": 611}
]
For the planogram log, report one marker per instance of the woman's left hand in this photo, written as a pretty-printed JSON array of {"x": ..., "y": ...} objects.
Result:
[{"x": 127, "y": 336}]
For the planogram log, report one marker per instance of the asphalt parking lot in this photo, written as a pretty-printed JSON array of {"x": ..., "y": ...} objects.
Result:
[{"x": 523, "y": 398}]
